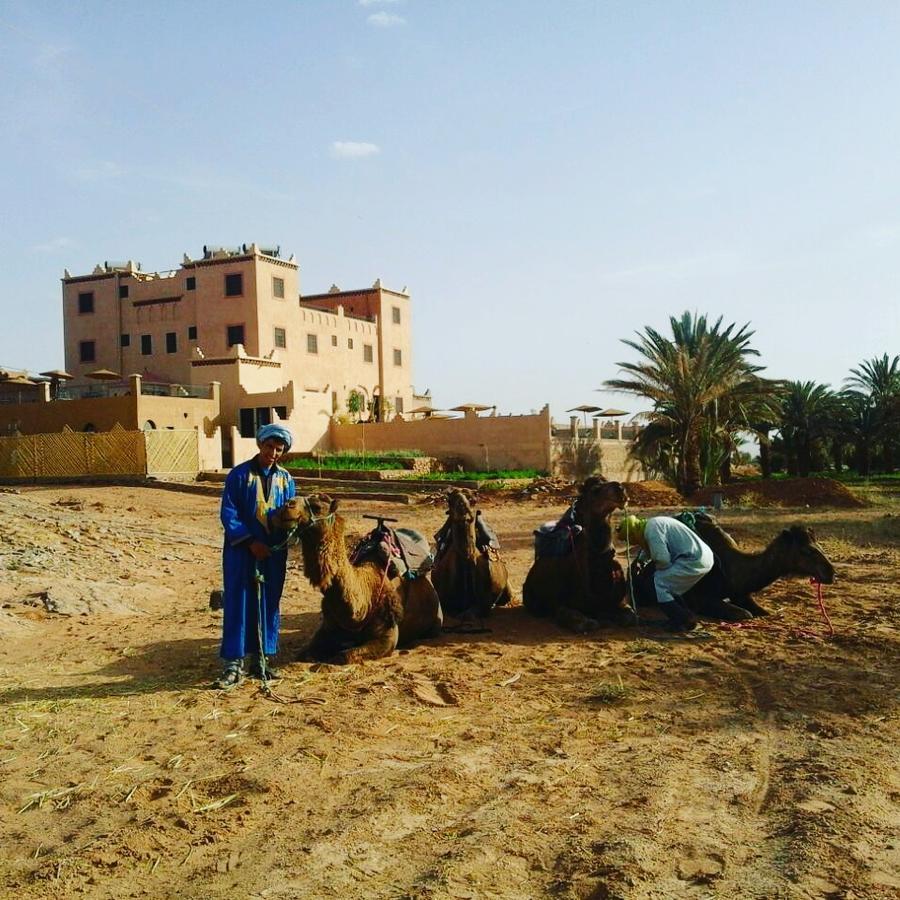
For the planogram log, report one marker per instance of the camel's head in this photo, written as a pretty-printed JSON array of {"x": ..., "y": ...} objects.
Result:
[
  {"x": 599, "y": 497},
  {"x": 804, "y": 555},
  {"x": 459, "y": 506},
  {"x": 304, "y": 512}
]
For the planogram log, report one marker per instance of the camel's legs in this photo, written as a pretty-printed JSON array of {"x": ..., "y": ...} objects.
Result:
[
  {"x": 722, "y": 609},
  {"x": 747, "y": 602},
  {"x": 324, "y": 644},
  {"x": 381, "y": 645},
  {"x": 574, "y": 620}
]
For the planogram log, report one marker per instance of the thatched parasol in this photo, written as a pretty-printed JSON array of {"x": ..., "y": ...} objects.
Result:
[{"x": 104, "y": 375}]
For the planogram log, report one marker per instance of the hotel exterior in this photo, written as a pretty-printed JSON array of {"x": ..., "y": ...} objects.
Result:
[{"x": 236, "y": 317}]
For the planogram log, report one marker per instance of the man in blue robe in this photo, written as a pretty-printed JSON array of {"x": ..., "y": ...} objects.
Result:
[{"x": 253, "y": 567}]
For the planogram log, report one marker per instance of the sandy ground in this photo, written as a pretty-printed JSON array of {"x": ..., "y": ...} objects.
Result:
[{"x": 752, "y": 763}]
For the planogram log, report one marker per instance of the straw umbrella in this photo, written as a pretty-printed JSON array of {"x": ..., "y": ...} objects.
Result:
[{"x": 584, "y": 409}]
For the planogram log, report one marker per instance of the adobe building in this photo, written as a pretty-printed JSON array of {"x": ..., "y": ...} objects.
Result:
[{"x": 236, "y": 317}]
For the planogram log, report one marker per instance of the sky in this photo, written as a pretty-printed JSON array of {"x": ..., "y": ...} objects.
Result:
[{"x": 546, "y": 179}]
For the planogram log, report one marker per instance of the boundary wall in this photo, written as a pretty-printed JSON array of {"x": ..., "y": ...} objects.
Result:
[{"x": 478, "y": 442}]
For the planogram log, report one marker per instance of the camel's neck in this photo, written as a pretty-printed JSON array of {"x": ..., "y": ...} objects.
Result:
[
  {"x": 750, "y": 572},
  {"x": 329, "y": 569},
  {"x": 463, "y": 534}
]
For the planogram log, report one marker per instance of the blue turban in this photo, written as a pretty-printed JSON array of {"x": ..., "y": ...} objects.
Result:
[{"x": 279, "y": 432}]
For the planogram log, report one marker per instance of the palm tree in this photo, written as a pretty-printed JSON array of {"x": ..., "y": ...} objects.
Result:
[
  {"x": 808, "y": 413},
  {"x": 877, "y": 382},
  {"x": 689, "y": 378}
]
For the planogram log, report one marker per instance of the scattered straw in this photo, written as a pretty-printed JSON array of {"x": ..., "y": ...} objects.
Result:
[{"x": 216, "y": 804}]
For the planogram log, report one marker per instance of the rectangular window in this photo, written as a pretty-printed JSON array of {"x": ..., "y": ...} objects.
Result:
[
  {"x": 349, "y": 343},
  {"x": 86, "y": 352},
  {"x": 278, "y": 288},
  {"x": 395, "y": 313},
  {"x": 190, "y": 283},
  {"x": 124, "y": 340},
  {"x": 280, "y": 338},
  {"x": 247, "y": 422},
  {"x": 171, "y": 342},
  {"x": 123, "y": 291},
  {"x": 86, "y": 302},
  {"x": 251, "y": 419},
  {"x": 312, "y": 343},
  {"x": 146, "y": 345},
  {"x": 398, "y": 404},
  {"x": 192, "y": 332},
  {"x": 234, "y": 335},
  {"x": 398, "y": 357},
  {"x": 367, "y": 353},
  {"x": 234, "y": 284},
  {"x": 334, "y": 401},
  {"x": 334, "y": 340}
]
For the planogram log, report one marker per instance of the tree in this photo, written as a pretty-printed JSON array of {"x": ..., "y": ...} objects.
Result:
[
  {"x": 808, "y": 414},
  {"x": 875, "y": 385},
  {"x": 356, "y": 403},
  {"x": 701, "y": 382}
]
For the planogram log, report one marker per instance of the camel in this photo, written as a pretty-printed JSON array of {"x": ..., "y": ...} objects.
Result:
[
  {"x": 586, "y": 586},
  {"x": 468, "y": 578},
  {"x": 366, "y": 613},
  {"x": 726, "y": 592}
]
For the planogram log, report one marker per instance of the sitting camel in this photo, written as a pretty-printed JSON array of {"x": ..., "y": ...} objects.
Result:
[
  {"x": 587, "y": 584},
  {"x": 366, "y": 611},
  {"x": 725, "y": 592},
  {"x": 469, "y": 574}
]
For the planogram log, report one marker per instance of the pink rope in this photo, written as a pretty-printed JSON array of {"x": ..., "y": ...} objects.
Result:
[{"x": 756, "y": 625}]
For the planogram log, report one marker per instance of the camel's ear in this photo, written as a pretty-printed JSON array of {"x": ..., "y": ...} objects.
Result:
[{"x": 334, "y": 505}]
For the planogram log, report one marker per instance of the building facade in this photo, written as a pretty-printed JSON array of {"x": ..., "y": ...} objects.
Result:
[{"x": 236, "y": 316}]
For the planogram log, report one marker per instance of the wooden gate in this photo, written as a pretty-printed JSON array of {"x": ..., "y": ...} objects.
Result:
[
  {"x": 70, "y": 454},
  {"x": 172, "y": 453}
]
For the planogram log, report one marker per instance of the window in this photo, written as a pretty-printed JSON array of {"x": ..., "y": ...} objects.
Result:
[
  {"x": 395, "y": 313},
  {"x": 234, "y": 284},
  {"x": 86, "y": 302},
  {"x": 398, "y": 404},
  {"x": 334, "y": 340},
  {"x": 123, "y": 291},
  {"x": 398, "y": 357},
  {"x": 146, "y": 345},
  {"x": 367, "y": 353},
  {"x": 190, "y": 283},
  {"x": 86, "y": 351},
  {"x": 312, "y": 343},
  {"x": 278, "y": 287},
  {"x": 234, "y": 335},
  {"x": 251, "y": 419},
  {"x": 124, "y": 340},
  {"x": 192, "y": 332},
  {"x": 171, "y": 342},
  {"x": 334, "y": 401},
  {"x": 280, "y": 338},
  {"x": 349, "y": 343}
]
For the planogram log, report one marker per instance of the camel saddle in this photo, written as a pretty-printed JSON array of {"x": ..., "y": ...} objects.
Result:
[
  {"x": 403, "y": 551},
  {"x": 486, "y": 539},
  {"x": 556, "y": 539}
]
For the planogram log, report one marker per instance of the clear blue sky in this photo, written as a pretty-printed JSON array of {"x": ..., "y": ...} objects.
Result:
[{"x": 547, "y": 178}]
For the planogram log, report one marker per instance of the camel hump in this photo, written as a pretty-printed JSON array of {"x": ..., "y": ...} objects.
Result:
[
  {"x": 485, "y": 536},
  {"x": 556, "y": 539},
  {"x": 405, "y": 551}
]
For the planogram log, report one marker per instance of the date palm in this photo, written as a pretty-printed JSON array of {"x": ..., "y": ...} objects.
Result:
[
  {"x": 689, "y": 379},
  {"x": 873, "y": 395},
  {"x": 808, "y": 414}
]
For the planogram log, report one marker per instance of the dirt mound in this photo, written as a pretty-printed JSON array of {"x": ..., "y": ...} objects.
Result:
[
  {"x": 653, "y": 493},
  {"x": 781, "y": 492}
]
